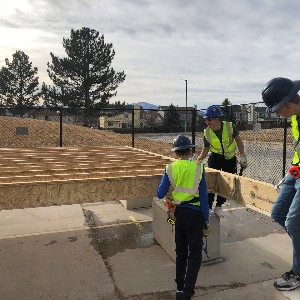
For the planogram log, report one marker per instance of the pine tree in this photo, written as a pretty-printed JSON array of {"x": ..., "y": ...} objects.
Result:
[
  {"x": 19, "y": 83},
  {"x": 85, "y": 78},
  {"x": 172, "y": 119},
  {"x": 226, "y": 109}
]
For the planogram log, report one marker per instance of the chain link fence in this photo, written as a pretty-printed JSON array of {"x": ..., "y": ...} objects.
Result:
[{"x": 267, "y": 137}]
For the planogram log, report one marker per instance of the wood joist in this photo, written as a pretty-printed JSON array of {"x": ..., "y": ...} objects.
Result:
[
  {"x": 56, "y": 176},
  {"x": 242, "y": 189}
]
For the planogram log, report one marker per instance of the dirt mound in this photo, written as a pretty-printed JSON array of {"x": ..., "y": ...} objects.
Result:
[
  {"x": 30, "y": 133},
  {"x": 274, "y": 135}
]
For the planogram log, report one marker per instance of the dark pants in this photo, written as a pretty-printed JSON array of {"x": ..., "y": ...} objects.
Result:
[
  {"x": 218, "y": 162},
  {"x": 188, "y": 239}
]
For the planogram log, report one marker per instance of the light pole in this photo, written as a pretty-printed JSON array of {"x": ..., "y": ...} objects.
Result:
[{"x": 185, "y": 105}]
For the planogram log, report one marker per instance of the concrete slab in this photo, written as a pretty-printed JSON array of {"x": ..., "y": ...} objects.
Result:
[
  {"x": 113, "y": 212},
  {"x": 29, "y": 221},
  {"x": 287, "y": 295},
  {"x": 262, "y": 290},
  {"x": 134, "y": 256},
  {"x": 248, "y": 261},
  {"x": 117, "y": 257},
  {"x": 240, "y": 223},
  {"x": 63, "y": 265},
  {"x": 143, "y": 271},
  {"x": 137, "y": 203}
]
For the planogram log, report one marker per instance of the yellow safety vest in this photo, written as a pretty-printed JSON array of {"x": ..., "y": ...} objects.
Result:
[
  {"x": 228, "y": 143},
  {"x": 185, "y": 176},
  {"x": 295, "y": 133}
]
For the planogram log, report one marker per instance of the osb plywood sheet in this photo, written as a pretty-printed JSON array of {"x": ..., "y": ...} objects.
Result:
[
  {"x": 48, "y": 164},
  {"x": 55, "y": 176},
  {"x": 22, "y": 195},
  {"x": 246, "y": 190}
]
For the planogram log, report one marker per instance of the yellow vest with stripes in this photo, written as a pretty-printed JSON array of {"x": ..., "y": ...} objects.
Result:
[
  {"x": 184, "y": 177},
  {"x": 295, "y": 133},
  {"x": 228, "y": 142}
]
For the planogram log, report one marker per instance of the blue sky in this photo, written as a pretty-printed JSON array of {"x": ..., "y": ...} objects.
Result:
[{"x": 223, "y": 48}]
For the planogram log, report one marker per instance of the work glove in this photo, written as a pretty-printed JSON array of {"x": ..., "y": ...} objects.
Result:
[
  {"x": 198, "y": 160},
  {"x": 243, "y": 161},
  {"x": 168, "y": 203},
  {"x": 206, "y": 230},
  {"x": 294, "y": 171}
]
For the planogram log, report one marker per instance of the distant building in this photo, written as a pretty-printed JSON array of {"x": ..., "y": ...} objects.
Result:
[
  {"x": 254, "y": 115},
  {"x": 123, "y": 118},
  {"x": 51, "y": 115},
  {"x": 186, "y": 114}
]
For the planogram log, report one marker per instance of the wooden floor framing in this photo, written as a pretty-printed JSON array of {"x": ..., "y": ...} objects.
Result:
[{"x": 55, "y": 176}]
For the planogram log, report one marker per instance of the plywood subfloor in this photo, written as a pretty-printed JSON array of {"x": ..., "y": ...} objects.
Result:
[{"x": 47, "y": 164}]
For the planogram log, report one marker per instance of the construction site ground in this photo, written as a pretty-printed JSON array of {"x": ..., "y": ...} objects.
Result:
[
  {"x": 56, "y": 244},
  {"x": 104, "y": 251}
]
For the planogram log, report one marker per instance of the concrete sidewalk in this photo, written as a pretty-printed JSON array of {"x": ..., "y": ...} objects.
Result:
[{"x": 103, "y": 251}]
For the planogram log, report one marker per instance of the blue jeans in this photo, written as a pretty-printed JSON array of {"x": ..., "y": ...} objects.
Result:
[{"x": 286, "y": 212}]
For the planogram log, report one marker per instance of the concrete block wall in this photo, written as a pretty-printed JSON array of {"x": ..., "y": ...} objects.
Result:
[{"x": 165, "y": 236}]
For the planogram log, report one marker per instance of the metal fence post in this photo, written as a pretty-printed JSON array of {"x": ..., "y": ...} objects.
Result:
[
  {"x": 194, "y": 128},
  {"x": 132, "y": 125},
  {"x": 60, "y": 128}
]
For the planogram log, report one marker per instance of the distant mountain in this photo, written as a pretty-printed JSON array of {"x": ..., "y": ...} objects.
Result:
[{"x": 146, "y": 105}]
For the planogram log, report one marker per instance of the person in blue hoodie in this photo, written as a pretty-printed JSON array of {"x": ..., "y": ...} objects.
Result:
[{"x": 190, "y": 198}]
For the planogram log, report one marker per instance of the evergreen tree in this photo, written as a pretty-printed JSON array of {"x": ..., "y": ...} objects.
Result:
[
  {"x": 117, "y": 108},
  {"x": 117, "y": 105},
  {"x": 226, "y": 109},
  {"x": 226, "y": 102},
  {"x": 85, "y": 78},
  {"x": 19, "y": 83},
  {"x": 172, "y": 119}
]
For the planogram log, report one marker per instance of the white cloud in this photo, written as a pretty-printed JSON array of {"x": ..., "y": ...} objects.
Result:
[{"x": 224, "y": 48}]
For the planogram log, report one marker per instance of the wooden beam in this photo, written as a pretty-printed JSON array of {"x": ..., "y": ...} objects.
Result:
[{"x": 243, "y": 190}]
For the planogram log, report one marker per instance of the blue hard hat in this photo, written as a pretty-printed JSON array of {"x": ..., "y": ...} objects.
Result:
[
  {"x": 182, "y": 142},
  {"x": 213, "y": 111},
  {"x": 279, "y": 91}
]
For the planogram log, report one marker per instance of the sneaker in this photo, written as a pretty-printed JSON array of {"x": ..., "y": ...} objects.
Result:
[
  {"x": 179, "y": 295},
  {"x": 186, "y": 297},
  {"x": 288, "y": 281},
  {"x": 218, "y": 210}
]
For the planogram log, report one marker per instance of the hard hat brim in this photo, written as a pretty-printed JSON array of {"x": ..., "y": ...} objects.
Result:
[
  {"x": 293, "y": 92},
  {"x": 207, "y": 117},
  {"x": 183, "y": 147}
]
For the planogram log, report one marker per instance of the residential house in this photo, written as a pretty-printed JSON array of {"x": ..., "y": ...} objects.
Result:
[
  {"x": 186, "y": 114},
  {"x": 51, "y": 115},
  {"x": 123, "y": 118}
]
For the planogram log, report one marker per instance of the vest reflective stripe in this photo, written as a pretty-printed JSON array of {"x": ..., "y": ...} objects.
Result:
[
  {"x": 185, "y": 188},
  {"x": 229, "y": 144},
  {"x": 295, "y": 133}
]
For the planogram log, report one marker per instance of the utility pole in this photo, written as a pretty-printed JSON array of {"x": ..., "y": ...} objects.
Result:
[{"x": 186, "y": 112}]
